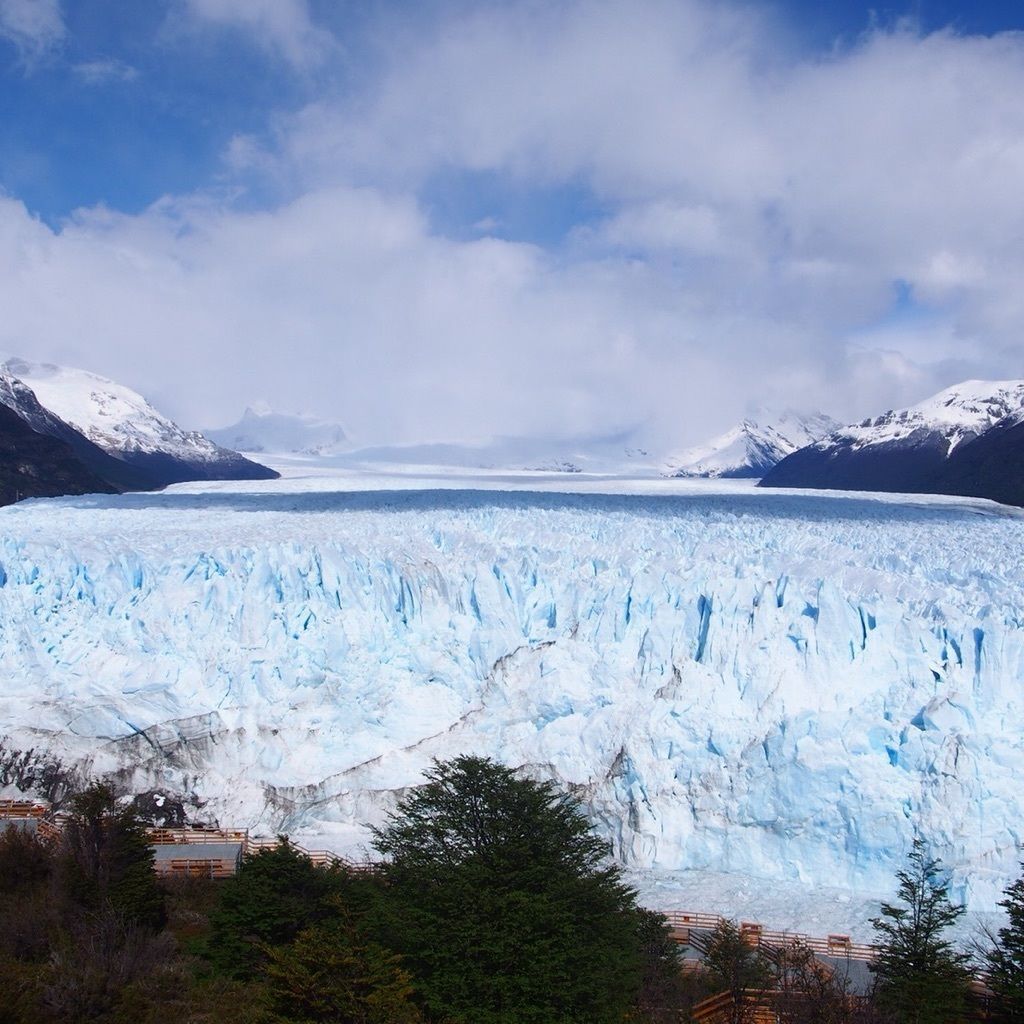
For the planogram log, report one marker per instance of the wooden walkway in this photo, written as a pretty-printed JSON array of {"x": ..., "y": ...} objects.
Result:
[
  {"x": 687, "y": 927},
  {"x": 249, "y": 844},
  {"x": 692, "y": 929}
]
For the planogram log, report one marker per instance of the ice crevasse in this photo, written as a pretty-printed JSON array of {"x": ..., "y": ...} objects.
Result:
[{"x": 784, "y": 687}]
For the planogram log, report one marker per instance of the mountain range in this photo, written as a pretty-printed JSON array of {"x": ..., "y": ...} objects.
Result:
[
  {"x": 751, "y": 449},
  {"x": 966, "y": 440},
  {"x": 100, "y": 437},
  {"x": 103, "y": 437}
]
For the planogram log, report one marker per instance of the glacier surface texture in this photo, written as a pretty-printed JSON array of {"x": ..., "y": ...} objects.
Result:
[{"x": 779, "y": 686}]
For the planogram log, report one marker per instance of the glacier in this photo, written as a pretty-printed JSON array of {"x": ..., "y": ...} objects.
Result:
[{"x": 765, "y": 685}]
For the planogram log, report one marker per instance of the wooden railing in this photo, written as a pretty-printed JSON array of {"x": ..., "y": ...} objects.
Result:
[
  {"x": 190, "y": 836},
  {"x": 22, "y": 809},
  {"x": 196, "y": 868},
  {"x": 692, "y": 927},
  {"x": 249, "y": 844}
]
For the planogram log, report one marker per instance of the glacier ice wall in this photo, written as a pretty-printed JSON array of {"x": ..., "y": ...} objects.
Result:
[{"x": 782, "y": 686}]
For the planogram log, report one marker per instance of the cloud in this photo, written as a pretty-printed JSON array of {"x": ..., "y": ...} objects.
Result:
[
  {"x": 760, "y": 210},
  {"x": 794, "y": 188},
  {"x": 282, "y": 27},
  {"x": 35, "y": 27},
  {"x": 344, "y": 302},
  {"x": 105, "y": 69}
]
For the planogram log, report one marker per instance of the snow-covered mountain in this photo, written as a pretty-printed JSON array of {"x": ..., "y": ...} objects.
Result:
[
  {"x": 752, "y": 448},
  {"x": 125, "y": 426},
  {"x": 262, "y": 430},
  {"x": 904, "y": 449},
  {"x": 17, "y": 396},
  {"x": 782, "y": 688}
]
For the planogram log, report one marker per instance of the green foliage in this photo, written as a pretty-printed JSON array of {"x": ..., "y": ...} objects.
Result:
[
  {"x": 1005, "y": 960},
  {"x": 332, "y": 974},
  {"x": 276, "y": 894},
  {"x": 733, "y": 964},
  {"x": 502, "y": 904},
  {"x": 664, "y": 991},
  {"x": 105, "y": 859},
  {"x": 71, "y": 949},
  {"x": 921, "y": 978}
]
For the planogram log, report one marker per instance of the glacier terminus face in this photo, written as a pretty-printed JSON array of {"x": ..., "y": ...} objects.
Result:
[{"x": 785, "y": 687}]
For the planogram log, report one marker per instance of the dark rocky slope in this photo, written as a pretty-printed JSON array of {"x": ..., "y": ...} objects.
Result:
[{"x": 34, "y": 465}]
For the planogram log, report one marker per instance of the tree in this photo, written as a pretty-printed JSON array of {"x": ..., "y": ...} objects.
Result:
[
  {"x": 502, "y": 903},
  {"x": 331, "y": 974},
  {"x": 814, "y": 990},
  {"x": 920, "y": 977},
  {"x": 275, "y": 895},
  {"x": 106, "y": 862},
  {"x": 664, "y": 992},
  {"x": 24, "y": 860},
  {"x": 733, "y": 964},
  {"x": 1005, "y": 959},
  {"x": 98, "y": 958}
]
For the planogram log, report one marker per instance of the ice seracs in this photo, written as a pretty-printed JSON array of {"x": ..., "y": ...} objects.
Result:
[
  {"x": 752, "y": 448},
  {"x": 778, "y": 687}
]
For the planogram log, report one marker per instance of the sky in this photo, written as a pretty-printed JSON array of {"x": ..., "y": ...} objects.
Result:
[{"x": 457, "y": 219}]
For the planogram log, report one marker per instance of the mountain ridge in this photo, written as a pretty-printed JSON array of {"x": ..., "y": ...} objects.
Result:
[
  {"x": 152, "y": 449},
  {"x": 750, "y": 449},
  {"x": 928, "y": 448}
]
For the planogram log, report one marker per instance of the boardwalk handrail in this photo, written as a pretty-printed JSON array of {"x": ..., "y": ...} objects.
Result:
[
  {"x": 21, "y": 809},
  {"x": 193, "y": 836},
  {"x": 249, "y": 844},
  {"x": 834, "y": 945}
]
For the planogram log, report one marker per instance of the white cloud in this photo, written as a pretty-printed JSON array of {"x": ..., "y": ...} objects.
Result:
[
  {"x": 35, "y": 27},
  {"x": 343, "y": 302},
  {"x": 760, "y": 208},
  {"x": 105, "y": 69},
  {"x": 282, "y": 27},
  {"x": 793, "y": 191}
]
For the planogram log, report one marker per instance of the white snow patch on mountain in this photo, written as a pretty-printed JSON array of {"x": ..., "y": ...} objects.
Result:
[
  {"x": 772, "y": 687},
  {"x": 752, "y": 448},
  {"x": 111, "y": 415},
  {"x": 958, "y": 414}
]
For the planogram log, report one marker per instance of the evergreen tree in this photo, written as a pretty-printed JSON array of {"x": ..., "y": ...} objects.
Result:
[
  {"x": 105, "y": 860},
  {"x": 920, "y": 977},
  {"x": 502, "y": 903},
  {"x": 663, "y": 994},
  {"x": 1005, "y": 960},
  {"x": 275, "y": 895},
  {"x": 331, "y": 974}
]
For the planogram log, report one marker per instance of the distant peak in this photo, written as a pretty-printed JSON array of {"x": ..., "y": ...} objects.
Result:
[{"x": 753, "y": 447}]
